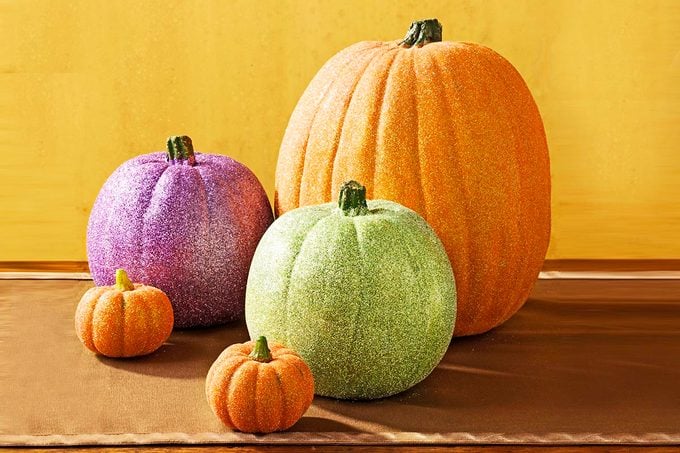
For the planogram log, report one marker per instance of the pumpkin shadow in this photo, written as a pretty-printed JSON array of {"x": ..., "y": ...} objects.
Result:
[
  {"x": 320, "y": 424},
  {"x": 552, "y": 366},
  {"x": 449, "y": 399},
  {"x": 187, "y": 354}
]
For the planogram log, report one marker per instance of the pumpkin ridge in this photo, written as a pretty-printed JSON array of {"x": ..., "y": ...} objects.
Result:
[
  {"x": 338, "y": 138},
  {"x": 462, "y": 285},
  {"x": 497, "y": 236},
  {"x": 379, "y": 123},
  {"x": 521, "y": 259},
  {"x": 530, "y": 262},
  {"x": 349, "y": 60},
  {"x": 257, "y": 406},
  {"x": 302, "y": 368},
  {"x": 122, "y": 324},
  {"x": 473, "y": 315},
  {"x": 241, "y": 378},
  {"x": 110, "y": 217},
  {"x": 222, "y": 393},
  {"x": 169, "y": 203},
  {"x": 265, "y": 405},
  {"x": 365, "y": 112},
  {"x": 152, "y": 319},
  {"x": 292, "y": 271},
  {"x": 132, "y": 298},
  {"x": 523, "y": 265},
  {"x": 109, "y": 295},
  {"x": 88, "y": 319},
  {"x": 305, "y": 112},
  {"x": 209, "y": 226},
  {"x": 303, "y": 377},
  {"x": 224, "y": 361},
  {"x": 355, "y": 323},
  {"x": 414, "y": 258},
  {"x": 418, "y": 168},
  {"x": 284, "y": 399},
  {"x": 238, "y": 348},
  {"x": 143, "y": 256},
  {"x": 540, "y": 258}
]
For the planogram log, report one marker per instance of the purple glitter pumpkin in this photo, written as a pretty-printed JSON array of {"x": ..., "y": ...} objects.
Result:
[{"x": 185, "y": 223}]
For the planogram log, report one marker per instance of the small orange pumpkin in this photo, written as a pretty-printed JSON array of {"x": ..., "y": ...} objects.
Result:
[
  {"x": 255, "y": 389},
  {"x": 124, "y": 320}
]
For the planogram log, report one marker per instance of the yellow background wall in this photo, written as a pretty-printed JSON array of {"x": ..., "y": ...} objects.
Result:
[{"x": 87, "y": 84}]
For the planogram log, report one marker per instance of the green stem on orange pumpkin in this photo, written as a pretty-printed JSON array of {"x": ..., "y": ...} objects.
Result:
[
  {"x": 261, "y": 351},
  {"x": 180, "y": 149},
  {"x": 123, "y": 283},
  {"x": 352, "y": 200},
  {"x": 422, "y": 32}
]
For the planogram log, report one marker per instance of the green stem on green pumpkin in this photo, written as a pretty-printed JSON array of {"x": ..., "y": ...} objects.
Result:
[
  {"x": 261, "y": 351},
  {"x": 123, "y": 283},
  {"x": 180, "y": 149},
  {"x": 422, "y": 32},
  {"x": 352, "y": 199}
]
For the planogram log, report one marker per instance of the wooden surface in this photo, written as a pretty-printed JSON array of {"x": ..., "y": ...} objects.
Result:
[
  {"x": 574, "y": 265},
  {"x": 625, "y": 331},
  {"x": 44, "y": 266},
  {"x": 359, "y": 449},
  {"x": 607, "y": 265}
]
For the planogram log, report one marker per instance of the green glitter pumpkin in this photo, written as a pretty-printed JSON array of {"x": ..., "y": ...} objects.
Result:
[{"x": 363, "y": 292}]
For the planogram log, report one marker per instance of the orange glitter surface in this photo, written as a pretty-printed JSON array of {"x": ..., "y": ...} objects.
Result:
[
  {"x": 119, "y": 323},
  {"x": 449, "y": 130},
  {"x": 259, "y": 397}
]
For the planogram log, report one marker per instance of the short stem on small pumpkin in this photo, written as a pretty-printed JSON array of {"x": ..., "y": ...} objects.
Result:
[
  {"x": 261, "y": 351},
  {"x": 422, "y": 32},
  {"x": 123, "y": 283},
  {"x": 180, "y": 149},
  {"x": 352, "y": 199}
]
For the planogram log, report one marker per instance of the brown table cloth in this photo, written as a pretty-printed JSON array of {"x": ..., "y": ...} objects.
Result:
[{"x": 582, "y": 362}]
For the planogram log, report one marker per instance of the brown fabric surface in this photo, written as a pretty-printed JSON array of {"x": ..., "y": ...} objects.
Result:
[{"x": 582, "y": 362}]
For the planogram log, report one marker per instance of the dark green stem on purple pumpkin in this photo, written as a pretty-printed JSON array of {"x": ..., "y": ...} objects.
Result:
[
  {"x": 352, "y": 199},
  {"x": 123, "y": 283},
  {"x": 261, "y": 351},
  {"x": 180, "y": 149},
  {"x": 422, "y": 32}
]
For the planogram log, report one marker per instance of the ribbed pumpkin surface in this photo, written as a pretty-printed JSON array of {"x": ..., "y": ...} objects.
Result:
[
  {"x": 118, "y": 323},
  {"x": 449, "y": 130},
  {"x": 259, "y": 397},
  {"x": 189, "y": 230},
  {"x": 368, "y": 300}
]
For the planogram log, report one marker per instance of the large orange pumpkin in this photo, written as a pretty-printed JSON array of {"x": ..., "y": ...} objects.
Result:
[{"x": 448, "y": 129}]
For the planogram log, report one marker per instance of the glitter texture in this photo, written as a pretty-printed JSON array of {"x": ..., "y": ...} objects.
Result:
[
  {"x": 449, "y": 130},
  {"x": 190, "y": 231},
  {"x": 259, "y": 397},
  {"x": 368, "y": 301},
  {"x": 126, "y": 323}
]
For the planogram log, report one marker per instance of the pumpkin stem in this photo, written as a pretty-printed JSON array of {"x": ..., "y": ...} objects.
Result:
[
  {"x": 261, "y": 351},
  {"x": 352, "y": 200},
  {"x": 180, "y": 149},
  {"x": 422, "y": 32},
  {"x": 123, "y": 283}
]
